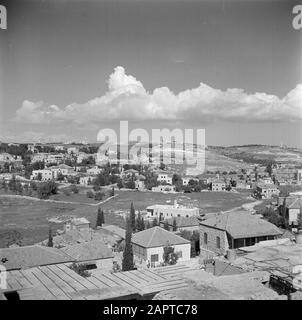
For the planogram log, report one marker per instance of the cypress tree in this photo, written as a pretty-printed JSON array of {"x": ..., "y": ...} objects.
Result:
[
  {"x": 148, "y": 225},
  {"x": 138, "y": 222},
  {"x": 132, "y": 217},
  {"x": 154, "y": 223},
  {"x": 174, "y": 225},
  {"x": 142, "y": 224},
  {"x": 50, "y": 239},
  {"x": 166, "y": 226},
  {"x": 128, "y": 263},
  {"x": 100, "y": 218}
]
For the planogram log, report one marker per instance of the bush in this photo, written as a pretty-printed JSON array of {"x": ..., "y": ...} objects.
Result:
[
  {"x": 66, "y": 192},
  {"x": 90, "y": 194},
  {"x": 74, "y": 189},
  {"x": 80, "y": 269},
  {"x": 98, "y": 196},
  {"x": 46, "y": 189}
]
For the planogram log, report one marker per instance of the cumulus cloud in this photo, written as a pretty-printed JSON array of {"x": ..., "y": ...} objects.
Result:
[{"x": 127, "y": 99}]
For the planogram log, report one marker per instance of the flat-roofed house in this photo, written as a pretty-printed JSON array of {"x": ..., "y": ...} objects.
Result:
[
  {"x": 218, "y": 185},
  {"x": 235, "y": 229},
  {"x": 160, "y": 211},
  {"x": 149, "y": 245},
  {"x": 45, "y": 174}
]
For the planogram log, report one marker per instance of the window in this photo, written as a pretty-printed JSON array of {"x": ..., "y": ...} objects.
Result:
[
  {"x": 218, "y": 242},
  {"x": 154, "y": 258},
  {"x": 205, "y": 238}
]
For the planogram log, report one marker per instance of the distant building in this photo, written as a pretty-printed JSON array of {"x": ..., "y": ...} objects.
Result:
[
  {"x": 62, "y": 169},
  {"x": 79, "y": 224},
  {"x": 234, "y": 229},
  {"x": 55, "y": 158},
  {"x": 94, "y": 171},
  {"x": 267, "y": 191},
  {"x": 160, "y": 211},
  {"x": 45, "y": 174},
  {"x": 164, "y": 188},
  {"x": 164, "y": 178},
  {"x": 149, "y": 245},
  {"x": 86, "y": 180},
  {"x": 186, "y": 180},
  {"x": 293, "y": 208},
  {"x": 218, "y": 185}
]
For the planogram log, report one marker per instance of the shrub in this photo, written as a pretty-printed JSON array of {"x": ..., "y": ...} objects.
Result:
[{"x": 90, "y": 194}]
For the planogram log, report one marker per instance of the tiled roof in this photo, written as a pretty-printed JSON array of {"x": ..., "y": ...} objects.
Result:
[
  {"x": 31, "y": 256},
  {"x": 240, "y": 224},
  {"x": 86, "y": 251},
  {"x": 157, "y": 237},
  {"x": 116, "y": 230},
  {"x": 184, "y": 221}
]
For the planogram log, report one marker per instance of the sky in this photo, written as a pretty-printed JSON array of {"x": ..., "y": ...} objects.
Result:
[{"x": 70, "y": 68}]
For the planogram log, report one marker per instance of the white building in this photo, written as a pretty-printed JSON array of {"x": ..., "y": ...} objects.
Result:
[
  {"x": 94, "y": 171},
  {"x": 46, "y": 175},
  {"x": 86, "y": 180},
  {"x": 164, "y": 188},
  {"x": 55, "y": 158},
  {"x": 164, "y": 178},
  {"x": 185, "y": 180},
  {"x": 39, "y": 157},
  {"x": 160, "y": 211},
  {"x": 149, "y": 245},
  {"x": 218, "y": 185},
  {"x": 62, "y": 169}
]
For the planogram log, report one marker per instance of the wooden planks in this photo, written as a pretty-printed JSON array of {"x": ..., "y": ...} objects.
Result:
[{"x": 52, "y": 287}]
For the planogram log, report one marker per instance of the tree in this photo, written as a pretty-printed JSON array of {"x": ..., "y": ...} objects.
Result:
[
  {"x": 112, "y": 192},
  {"x": 154, "y": 223},
  {"x": 166, "y": 225},
  {"x": 74, "y": 188},
  {"x": 174, "y": 228},
  {"x": 177, "y": 182},
  {"x": 138, "y": 222},
  {"x": 132, "y": 217},
  {"x": 98, "y": 196},
  {"x": 128, "y": 262},
  {"x": 120, "y": 184},
  {"x": 89, "y": 194},
  {"x": 148, "y": 226},
  {"x": 169, "y": 256},
  {"x": 12, "y": 184},
  {"x": 47, "y": 189},
  {"x": 50, "y": 238},
  {"x": 100, "y": 218}
]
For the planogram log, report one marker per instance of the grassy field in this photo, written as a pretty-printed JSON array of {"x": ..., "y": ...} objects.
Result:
[
  {"x": 30, "y": 217},
  {"x": 206, "y": 201}
]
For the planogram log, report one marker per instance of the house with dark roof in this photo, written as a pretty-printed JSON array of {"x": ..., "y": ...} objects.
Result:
[
  {"x": 17, "y": 258},
  {"x": 181, "y": 223},
  {"x": 235, "y": 229},
  {"x": 149, "y": 245}
]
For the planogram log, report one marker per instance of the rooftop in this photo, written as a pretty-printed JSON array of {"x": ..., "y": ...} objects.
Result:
[
  {"x": 241, "y": 224},
  {"x": 31, "y": 256},
  {"x": 87, "y": 251},
  {"x": 157, "y": 237},
  {"x": 116, "y": 230},
  {"x": 184, "y": 221}
]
